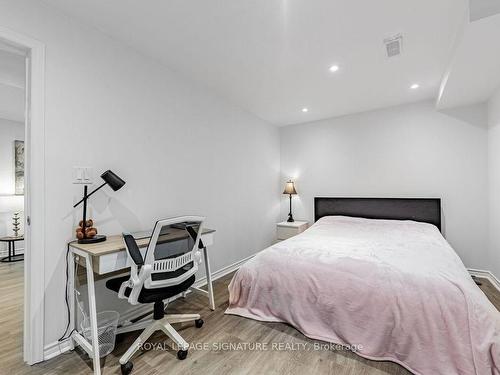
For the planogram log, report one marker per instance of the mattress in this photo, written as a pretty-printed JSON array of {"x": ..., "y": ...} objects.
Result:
[{"x": 393, "y": 290}]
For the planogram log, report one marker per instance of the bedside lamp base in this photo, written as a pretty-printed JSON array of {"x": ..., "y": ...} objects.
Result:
[{"x": 290, "y": 217}]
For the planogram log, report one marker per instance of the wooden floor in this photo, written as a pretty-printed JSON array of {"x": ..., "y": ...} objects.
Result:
[
  {"x": 11, "y": 316},
  {"x": 491, "y": 292},
  {"x": 219, "y": 329}
]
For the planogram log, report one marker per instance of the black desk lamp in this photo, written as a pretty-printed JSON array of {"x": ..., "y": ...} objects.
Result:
[
  {"x": 290, "y": 190},
  {"x": 115, "y": 183}
]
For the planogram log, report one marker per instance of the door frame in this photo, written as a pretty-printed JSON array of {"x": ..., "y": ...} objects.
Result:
[{"x": 34, "y": 195}]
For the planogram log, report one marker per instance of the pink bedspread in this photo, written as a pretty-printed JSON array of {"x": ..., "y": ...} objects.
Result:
[{"x": 395, "y": 288}]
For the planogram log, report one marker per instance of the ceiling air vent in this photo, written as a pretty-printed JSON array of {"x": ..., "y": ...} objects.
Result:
[{"x": 394, "y": 45}]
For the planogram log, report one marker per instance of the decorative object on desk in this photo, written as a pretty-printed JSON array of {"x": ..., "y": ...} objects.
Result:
[
  {"x": 114, "y": 183},
  {"x": 19, "y": 167},
  {"x": 90, "y": 231},
  {"x": 290, "y": 190},
  {"x": 16, "y": 223}
]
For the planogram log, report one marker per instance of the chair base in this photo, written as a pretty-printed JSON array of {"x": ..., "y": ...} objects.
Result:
[{"x": 164, "y": 325}]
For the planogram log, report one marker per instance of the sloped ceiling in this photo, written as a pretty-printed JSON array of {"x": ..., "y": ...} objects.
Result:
[
  {"x": 474, "y": 72},
  {"x": 483, "y": 8},
  {"x": 272, "y": 58}
]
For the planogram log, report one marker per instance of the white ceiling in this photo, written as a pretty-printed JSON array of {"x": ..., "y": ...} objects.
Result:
[
  {"x": 474, "y": 74},
  {"x": 12, "y": 77},
  {"x": 272, "y": 57}
]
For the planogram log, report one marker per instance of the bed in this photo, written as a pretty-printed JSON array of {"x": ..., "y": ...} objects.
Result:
[{"x": 375, "y": 275}]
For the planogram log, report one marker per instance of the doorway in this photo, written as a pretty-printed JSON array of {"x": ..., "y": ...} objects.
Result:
[
  {"x": 12, "y": 196},
  {"x": 22, "y": 195}
]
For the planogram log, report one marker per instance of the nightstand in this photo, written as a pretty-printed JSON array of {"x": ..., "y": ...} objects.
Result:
[{"x": 286, "y": 230}]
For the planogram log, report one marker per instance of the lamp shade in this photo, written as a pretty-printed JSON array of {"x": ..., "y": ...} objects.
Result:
[
  {"x": 290, "y": 188},
  {"x": 11, "y": 203},
  {"x": 112, "y": 180}
]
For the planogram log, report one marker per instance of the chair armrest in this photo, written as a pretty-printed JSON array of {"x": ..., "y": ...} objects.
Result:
[
  {"x": 144, "y": 273},
  {"x": 138, "y": 282},
  {"x": 133, "y": 249}
]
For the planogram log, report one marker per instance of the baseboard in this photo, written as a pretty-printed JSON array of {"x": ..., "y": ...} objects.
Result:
[
  {"x": 223, "y": 272},
  {"x": 486, "y": 275},
  {"x": 56, "y": 348},
  {"x": 59, "y": 347}
]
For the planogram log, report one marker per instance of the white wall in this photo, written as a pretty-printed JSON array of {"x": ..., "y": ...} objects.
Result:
[
  {"x": 405, "y": 151},
  {"x": 494, "y": 182},
  {"x": 180, "y": 149},
  {"x": 9, "y": 132},
  {"x": 12, "y": 77}
]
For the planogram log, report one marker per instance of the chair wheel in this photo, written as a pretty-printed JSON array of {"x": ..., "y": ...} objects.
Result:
[
  {"x": 127, "y": 368},
  {"x": 199, "y": 323},
  {"x": 182, "y": 354}
]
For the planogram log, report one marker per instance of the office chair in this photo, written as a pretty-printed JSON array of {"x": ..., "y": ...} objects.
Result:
[{"x": 168, "y": 269}]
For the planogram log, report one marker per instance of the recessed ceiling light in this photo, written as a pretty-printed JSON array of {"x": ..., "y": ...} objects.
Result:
[
  {"x": 414, "y": 86},
  {"x": 305, "y": 110},
  {"x": 334, "y": 68}
]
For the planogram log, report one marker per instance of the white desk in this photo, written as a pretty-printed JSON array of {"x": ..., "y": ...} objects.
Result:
[{"x": 111, "y": 256}]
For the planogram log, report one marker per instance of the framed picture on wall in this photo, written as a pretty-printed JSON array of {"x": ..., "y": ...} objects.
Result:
[{"x": 19, "y": 167}]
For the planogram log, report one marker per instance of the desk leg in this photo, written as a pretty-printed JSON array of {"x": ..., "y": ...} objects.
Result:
[
  {"x": 71, "y": 295},
  {"x": 210, "y": 289},
  {"x": 93, "y": 315}
]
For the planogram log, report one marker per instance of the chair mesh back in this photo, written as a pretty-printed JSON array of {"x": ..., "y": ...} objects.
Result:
[{"x": 173, "y": 254}]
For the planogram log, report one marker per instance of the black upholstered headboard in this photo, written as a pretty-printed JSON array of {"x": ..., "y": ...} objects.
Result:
[{"x": 427, "y": 210}]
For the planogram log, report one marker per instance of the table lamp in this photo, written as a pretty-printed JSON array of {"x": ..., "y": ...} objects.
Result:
[
  {"x": 114, "y": 183},
  {"x": 290, "y": 190}
]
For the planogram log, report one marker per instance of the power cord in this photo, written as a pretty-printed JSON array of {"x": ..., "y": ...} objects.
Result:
[{"x": 66, "y": 335}]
